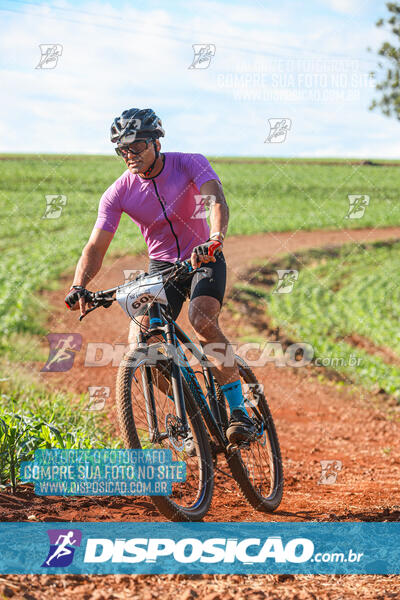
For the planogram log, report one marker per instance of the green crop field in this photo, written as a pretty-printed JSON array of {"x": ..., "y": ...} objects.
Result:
[
  {"x": 271, "y": 196},
  {"x": 341, "y": 296},
  {"x": 264, "y": 195},
  {"x": 331, "y": 299}
]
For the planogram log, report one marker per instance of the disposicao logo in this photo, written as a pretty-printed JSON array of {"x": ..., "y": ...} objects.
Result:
[
  {"x": 190, "y": 550},
  {"x": 63, "y": 543}
]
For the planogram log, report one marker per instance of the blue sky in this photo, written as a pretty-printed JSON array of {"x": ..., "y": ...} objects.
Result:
[{"x": 303, "y": 61}]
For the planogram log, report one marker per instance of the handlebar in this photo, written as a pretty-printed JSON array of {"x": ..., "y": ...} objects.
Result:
[{"x": 179, "y": 271}]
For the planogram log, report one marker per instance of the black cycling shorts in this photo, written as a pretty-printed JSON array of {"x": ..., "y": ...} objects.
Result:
[{"x": 211, "y": 283}]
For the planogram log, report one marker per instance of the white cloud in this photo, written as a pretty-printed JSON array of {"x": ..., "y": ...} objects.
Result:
[
  {"x": 142, "y": 59},
  {"x": 347, "y": 7}
]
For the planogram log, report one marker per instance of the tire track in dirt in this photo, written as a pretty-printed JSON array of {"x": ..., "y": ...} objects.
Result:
[{"x": 315, "y": 421}]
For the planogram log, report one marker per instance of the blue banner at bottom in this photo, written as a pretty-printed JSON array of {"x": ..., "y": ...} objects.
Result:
[{"x": 193, "y": 548}]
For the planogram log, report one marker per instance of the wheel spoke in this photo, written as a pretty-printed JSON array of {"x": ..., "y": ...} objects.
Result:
[
  {"x": 257, "y": 462},
  {"x": 257, "y": 465},
  {"x": 184, "y": 494}
]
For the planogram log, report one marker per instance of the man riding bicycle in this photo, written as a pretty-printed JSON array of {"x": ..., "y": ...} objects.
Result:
[{"x": 158, "y": 192}]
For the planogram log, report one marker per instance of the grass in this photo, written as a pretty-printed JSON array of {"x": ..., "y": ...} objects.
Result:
[
  {"x": 32, "y": 417},
  {"x": 262, "y": 197},
  {"x": 270, "y": 196},
  {"x": 344, "y": 291},
  {"x": 35, "y": 250},
  {"x": 275, "y": 197}
]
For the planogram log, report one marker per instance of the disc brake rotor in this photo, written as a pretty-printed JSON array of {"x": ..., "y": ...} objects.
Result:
[{"x": 173, "y": 428}]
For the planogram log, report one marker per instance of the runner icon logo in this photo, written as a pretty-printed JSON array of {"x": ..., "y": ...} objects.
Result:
[
  {"x": 54, "y": 206},
  {"x": 278, "y": 130},
  {"x": 50, "y": 53},
  {"x": 63, "y": 543},
  {"x": 97, "y": 397},
  {"x": 63, "y": 347},
  {"x": 203, "y": 206},
  {"x": 203, "y": 54},
  {"x": 131, "y": 274},
  {"x": 329, "y": 471},
  {"x": 286, "y": 280},
  {"x": 357, "y": 206}
]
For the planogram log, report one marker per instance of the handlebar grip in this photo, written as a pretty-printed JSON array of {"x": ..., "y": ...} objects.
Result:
[
  {"x": 213, "y": 248},
  {"x": 75, "y": 294},
  {"x": 189, "y": 265}
]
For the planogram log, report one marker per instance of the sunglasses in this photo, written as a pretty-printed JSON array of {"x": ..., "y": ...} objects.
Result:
[{"x": 135, "y": 148}]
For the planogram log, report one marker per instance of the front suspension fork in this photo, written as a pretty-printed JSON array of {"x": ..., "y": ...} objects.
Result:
[
  {"x": 176, "y": 376},
  {"x": 177, "y": 387}
]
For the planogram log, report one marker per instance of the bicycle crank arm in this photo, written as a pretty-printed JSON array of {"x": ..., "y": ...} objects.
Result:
[{"x": 232, "y": 448}]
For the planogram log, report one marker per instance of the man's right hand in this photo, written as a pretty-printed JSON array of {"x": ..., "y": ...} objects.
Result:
[
  {"x": 78, "y": 297},
  {"x": 88, "y": 266}
]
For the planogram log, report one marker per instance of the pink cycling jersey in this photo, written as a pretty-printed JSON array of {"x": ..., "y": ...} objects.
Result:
[{"x": 172, "y": 222}]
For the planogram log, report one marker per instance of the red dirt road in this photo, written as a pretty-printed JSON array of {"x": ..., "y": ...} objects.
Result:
[{"x": 315, "y": 421}]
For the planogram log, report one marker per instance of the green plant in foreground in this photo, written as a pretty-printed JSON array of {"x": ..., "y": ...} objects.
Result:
[
  {"x": 20, "y": 436},
  {"x": 32, "y": 417}
]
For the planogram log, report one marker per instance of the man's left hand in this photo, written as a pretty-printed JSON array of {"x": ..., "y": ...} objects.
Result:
[{"x": 204, "y": 253}]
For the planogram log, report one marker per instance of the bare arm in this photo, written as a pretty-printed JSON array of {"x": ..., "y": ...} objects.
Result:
[
  {"x": 219, "y": 216},
  {"x": 91, "y": 260}
]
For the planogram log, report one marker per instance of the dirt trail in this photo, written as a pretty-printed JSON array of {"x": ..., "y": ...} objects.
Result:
[
  {"x": 111, "y": 326},
  {"x": 315, "y": 421}
]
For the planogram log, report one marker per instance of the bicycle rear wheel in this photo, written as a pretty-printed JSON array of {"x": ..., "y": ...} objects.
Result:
[
  {"x": 257, "y": 466},
  {"x": 190, "y": 500}
]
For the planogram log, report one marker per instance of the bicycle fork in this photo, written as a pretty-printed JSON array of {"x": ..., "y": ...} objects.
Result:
[
  {"x": 176, "y": 376},
  {"x": 177, "y": 388}
]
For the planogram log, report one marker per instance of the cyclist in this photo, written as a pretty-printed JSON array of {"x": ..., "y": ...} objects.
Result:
[{"x": 162, "y": 193}]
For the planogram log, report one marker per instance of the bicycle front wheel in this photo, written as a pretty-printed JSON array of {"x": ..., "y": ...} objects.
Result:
[
  {"x": 256, "y": 466},
  {"x": 191, "y": 499}
]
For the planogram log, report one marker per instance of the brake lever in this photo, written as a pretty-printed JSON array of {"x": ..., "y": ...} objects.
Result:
[
  {"x": 87, "y": 312},
  {"x": 105, "y": 304},
  {"x": 183, "y": 276}
]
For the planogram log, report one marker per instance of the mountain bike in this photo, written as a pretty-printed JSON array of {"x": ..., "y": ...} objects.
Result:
[{"x": 162, "y": 402}]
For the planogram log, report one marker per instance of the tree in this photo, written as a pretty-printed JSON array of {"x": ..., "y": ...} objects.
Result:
[{"x": 388, "y": 86}]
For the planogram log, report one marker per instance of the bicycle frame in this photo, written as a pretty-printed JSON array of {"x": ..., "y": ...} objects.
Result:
[
  {"x": 210, "y": 403},
  {"x": 162, "y": 323},
  {"x": 173, "y": 334}
]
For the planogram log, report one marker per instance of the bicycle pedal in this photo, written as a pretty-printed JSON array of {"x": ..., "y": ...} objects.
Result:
[
  {"x": 189, "y": 445},
  {"x": 231, "y": 448}
]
